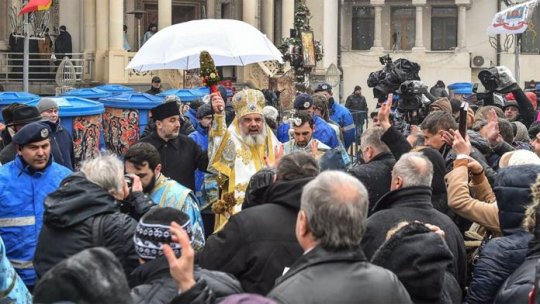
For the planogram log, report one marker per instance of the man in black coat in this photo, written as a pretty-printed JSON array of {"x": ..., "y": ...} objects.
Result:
[
  {"x": 410, "y": 200},
  {"x": 84, "y": 212},
  {"x": 257, "y": 244},
  {"x": 376, "y": 173},
  {"x": 61, "y": 141},
  {"x": 333, "y": 268},
  {"x": 180, "y": 155},
  {"x": 63, "y": 46},
  {"x": 356, "y": 101}
]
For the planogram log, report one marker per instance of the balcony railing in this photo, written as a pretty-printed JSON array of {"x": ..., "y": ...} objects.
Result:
[{"x": 42, "y": 66}]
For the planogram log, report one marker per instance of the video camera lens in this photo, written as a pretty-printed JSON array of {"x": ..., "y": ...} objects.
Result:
[{"x": 129, "y": 181}]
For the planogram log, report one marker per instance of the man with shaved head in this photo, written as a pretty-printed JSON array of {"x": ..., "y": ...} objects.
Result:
[{"x": 409, "y": 200}]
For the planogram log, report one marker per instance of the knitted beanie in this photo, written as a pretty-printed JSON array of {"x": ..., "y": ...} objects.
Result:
[
  {"x": 153, "y": 230},
  {"x": 45, "y": 104}
]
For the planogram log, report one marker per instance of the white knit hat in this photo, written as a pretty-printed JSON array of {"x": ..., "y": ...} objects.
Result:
[
  {"x": 523, "y": 157},
  {"x": 270, "y": 112}
]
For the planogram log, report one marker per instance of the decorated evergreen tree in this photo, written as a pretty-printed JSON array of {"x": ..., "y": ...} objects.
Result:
[
  {"x": 209, "y": 73},
  {"x": 292, "y": 48}
]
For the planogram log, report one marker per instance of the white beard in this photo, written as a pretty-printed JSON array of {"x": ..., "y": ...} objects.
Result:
[{"x": 255, "y": 140}]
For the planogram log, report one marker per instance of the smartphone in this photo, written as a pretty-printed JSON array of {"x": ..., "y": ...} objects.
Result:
[{"x": 463, "y": 118}]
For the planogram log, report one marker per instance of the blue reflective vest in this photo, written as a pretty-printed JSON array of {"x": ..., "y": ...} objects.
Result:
[
  {"x": 343, "y": 117},
  {"x": 22, "y": 197},
  {"x": 170, "y": 193},
  {"x": 323, "y": 132}
]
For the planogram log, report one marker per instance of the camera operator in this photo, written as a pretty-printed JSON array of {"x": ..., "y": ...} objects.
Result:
[
  {"x": 84, "y": 212},
  {"x": 500, "y": 79},
  {"x": 401, "y": 77}
]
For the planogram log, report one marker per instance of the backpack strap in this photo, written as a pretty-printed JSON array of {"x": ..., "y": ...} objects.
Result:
[{"x": 97, "y": 231}]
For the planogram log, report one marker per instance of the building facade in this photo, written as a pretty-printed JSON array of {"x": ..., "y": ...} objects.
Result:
[{"x": 446, "y": 37}]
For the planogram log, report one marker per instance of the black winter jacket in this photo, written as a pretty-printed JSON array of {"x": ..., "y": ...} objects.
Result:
[
  {"x": 420, "y": 258},
  {"x": 154, "y": 91},
  {"x": 410, "y": 204},
  {"x": 376, "y": 176},
  {"x": 356, "y": 103},
  {"x": 61, "y": 145},
  {"x": 258, "y": 243},
  {"x": 67, "y": 225},
  {"x": 63, "y": 45},
  {"x": 527, "y": 114},
  {"x": 154, "y": 284},
  {"x": 322, "y": 276}
]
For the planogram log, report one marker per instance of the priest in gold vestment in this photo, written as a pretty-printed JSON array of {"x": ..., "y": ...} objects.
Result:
[{"x": 239, "y": 151}]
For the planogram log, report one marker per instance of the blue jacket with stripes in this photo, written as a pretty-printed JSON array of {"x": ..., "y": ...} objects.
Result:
[
  {"x": 22, "y": 196},
  {"x": 343, "y": 117}
]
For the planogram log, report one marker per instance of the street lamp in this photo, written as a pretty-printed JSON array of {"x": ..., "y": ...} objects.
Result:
[
  {"x": 333, "y": 75},
  {"x": 138, "y": 13}
]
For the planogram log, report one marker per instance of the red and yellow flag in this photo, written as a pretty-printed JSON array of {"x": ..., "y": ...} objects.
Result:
[{"x": 36, "y": 5}]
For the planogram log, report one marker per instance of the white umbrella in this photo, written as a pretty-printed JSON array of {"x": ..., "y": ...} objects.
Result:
[{"x": 230, "y": 42}]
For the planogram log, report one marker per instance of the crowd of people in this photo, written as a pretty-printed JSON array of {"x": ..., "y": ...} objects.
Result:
[{"x": 222, "y": 201}]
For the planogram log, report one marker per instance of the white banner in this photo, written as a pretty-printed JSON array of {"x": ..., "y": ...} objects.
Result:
[{"x": 513, "y": 20}]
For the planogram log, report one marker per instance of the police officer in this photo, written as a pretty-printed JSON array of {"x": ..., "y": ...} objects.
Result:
[
  {"x": 339, "y": 114},
  {"x": 24, "y": 184},
  {"x": 322, "y": 132}
]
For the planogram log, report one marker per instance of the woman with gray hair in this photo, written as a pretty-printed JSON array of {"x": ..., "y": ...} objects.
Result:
[{"x": 84, "y": 212}]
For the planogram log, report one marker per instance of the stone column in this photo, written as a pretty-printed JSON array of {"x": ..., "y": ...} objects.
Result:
[
  {"x": 117, "y": 56},
  {"x": 377, "y": 37},
  {"x": 102, "y": 24},
  {"x": 462, "y": 24},
  {"x": 116, "y": 24},
  {"x": 250, "y": 12},
  {"x": 268, "y": 18},
  {"x": 211, "y": 8},
  {"x": 89, "y": 26},
  {"x": 102, "y": 38},
  {"x": 164, "y": 13},
  {"x": 287, "y": 17},
  {"x": 330, "y": 29},
  {"x": 419, "y": 34}
]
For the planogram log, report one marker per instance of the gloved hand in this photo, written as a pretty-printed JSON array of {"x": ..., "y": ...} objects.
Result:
[{"x": 505, "y": 80}]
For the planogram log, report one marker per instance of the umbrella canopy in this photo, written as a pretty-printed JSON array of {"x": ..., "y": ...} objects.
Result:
[{"x": 230, "y": 42}]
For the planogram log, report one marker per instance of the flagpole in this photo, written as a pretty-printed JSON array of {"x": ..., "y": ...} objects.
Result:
[
  {"x": 26, "y": 56},
  {"x": 516, "y": 56}
]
